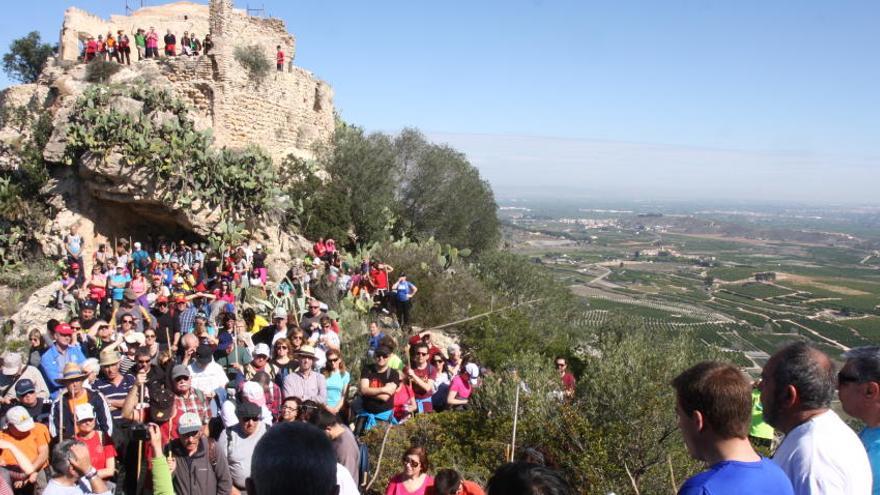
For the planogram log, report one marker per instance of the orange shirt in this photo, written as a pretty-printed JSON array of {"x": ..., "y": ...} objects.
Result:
[
  {"x": 82, "y": 399},
  {"x": 28, "y": 445}
]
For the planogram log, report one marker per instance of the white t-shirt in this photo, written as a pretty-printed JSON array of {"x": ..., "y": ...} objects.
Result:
[
  {"x": 207, "y": 379},
  {"x": 347, "y": 486},
  {"x": 824, "y": 456}
]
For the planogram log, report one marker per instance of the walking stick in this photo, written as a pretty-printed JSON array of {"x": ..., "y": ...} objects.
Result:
[
  {"x": 515, "y": 416},
  {"x": 61, "y": 415},
  {"x": 140, "y": 442}
]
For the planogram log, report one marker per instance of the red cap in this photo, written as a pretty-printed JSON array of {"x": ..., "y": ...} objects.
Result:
[
  {"x": 74, "y": 265},
  {"x": 161, "y": 299},
  {"x": 64, "y": 329},
  {"x": 414, "y": 340},
  {"x": 179, "y": 299}
]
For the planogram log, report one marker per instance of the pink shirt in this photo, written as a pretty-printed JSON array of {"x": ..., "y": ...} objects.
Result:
[
  {"x": 396, "y": 487},
  {"x": 462, "y": 389}
]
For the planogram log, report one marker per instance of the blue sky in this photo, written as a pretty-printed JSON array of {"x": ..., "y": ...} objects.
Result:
[{"x": 784, "y": 92}]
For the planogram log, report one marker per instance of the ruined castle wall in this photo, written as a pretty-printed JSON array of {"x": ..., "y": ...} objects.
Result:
[
  {"x": 285, "y": 112},
  {"x": 288, "y": 112},
  {"x": 178, "y": 17}
]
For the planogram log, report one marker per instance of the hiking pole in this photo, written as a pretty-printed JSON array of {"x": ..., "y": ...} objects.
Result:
[
  {"x": 140, "y": 442},
  {"x": 515, "y": 417}
]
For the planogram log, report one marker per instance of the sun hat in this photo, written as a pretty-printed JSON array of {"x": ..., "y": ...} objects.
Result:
[
  {"x": 108, "y": 357},
  {"x": 306, "y": 351},
  {"x": 72, "y": 373},
  {"x": 11, "y": 363},
  {"x": 134, "y": 338}
]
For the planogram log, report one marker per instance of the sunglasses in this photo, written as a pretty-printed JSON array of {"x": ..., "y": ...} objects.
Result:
[
  {"x": 846, "y": 378},
  {"x": 381, "y": 356},
  {"x": 127, "y": 321},
  {"x": 149, "y": 336},
  {"x": 281, "y": 347},
  {"x": 182, "y": 379},
  {"x": 411, "y": 463},
  {"x": 250, "y": 419}
]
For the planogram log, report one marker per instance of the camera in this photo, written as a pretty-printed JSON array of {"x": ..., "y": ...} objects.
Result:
[{"x": 140, "y": 432}]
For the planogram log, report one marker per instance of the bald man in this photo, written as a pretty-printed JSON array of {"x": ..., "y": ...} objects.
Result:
[{"x": 820, "y": 453}]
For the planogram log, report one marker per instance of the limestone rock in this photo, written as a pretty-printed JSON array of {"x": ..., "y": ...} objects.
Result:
[
  {"x": 126, "y": 105},
  {"x": 57, "y": 144},
  {"x": 36, "y": 311}
]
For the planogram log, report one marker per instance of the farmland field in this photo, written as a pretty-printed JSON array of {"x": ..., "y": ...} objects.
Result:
[{"x": 682, "y": 273}]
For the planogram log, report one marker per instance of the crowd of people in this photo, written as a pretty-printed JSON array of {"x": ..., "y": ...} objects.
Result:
[
  {"x": 166, "y": 379},
  {"x": 118, "y": 47},
  {"x": 164, "y": 354}
]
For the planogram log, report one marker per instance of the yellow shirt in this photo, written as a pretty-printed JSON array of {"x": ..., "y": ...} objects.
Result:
[{"x": 259, "y": 323}]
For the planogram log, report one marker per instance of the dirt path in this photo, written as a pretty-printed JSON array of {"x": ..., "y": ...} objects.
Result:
[{"x": 817, "y": 334}]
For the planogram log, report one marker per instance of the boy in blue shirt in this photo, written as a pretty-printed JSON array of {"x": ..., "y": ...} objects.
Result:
[{"x": 714, "y": 408}]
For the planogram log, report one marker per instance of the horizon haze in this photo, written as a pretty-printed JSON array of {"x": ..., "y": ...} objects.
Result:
[{"x": 684, "y": 100}]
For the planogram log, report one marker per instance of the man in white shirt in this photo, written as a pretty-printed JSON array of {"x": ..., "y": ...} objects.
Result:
[
  {"x": 207, "y": 375},
  {"x": 820, "y": 453}
]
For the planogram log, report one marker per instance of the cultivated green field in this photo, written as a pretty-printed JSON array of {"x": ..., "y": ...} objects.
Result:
[{"x": 705, "y": 283}]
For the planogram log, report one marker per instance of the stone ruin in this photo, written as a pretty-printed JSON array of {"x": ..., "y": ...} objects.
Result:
[{"x": 288, "y": 112}]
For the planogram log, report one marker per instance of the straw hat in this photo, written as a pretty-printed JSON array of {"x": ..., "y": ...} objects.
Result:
[{"x": 72, "y": 373}]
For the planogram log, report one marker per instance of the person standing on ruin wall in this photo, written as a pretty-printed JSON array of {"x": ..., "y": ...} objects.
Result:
[
  {"x": 140, "y": 43},
  {"x": 123, "y": 47},
  {"x": 152, "y": 43},
  {"x": 279, "y": 59},
  {"x": 170, "y": 44}
]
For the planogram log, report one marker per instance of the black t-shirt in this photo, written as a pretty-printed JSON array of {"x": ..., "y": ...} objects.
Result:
[
  {"x": 259, "y": 260},
  {"x": 166, "y": 321},
  {"x": 375, "y": 405}
]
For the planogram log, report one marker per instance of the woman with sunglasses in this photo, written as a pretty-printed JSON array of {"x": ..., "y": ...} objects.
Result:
[
  {"x": 281, "y": 359},
  {"x": 414, "y": 479},
  {"x": 337, "y": 381}
]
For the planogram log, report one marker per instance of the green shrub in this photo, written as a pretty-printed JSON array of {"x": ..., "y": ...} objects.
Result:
[
  {"x": 242, "y": 183},
  {"x": 100, "y": 71},
  {"x": 254, "y": 60}
]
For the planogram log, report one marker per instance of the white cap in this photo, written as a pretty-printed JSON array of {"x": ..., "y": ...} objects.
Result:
[
  {"x": 137, "y": 245},
  {"x": 84, "y": 411},
  {"x": 262, "y": 349},
  {"x": 473, "y": 371},
  {"x": 20, "y": 419},
  {"x": 189, "y": 422}
]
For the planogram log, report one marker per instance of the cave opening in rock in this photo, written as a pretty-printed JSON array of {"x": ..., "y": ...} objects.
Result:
[{"x": 150, "y": 224}]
